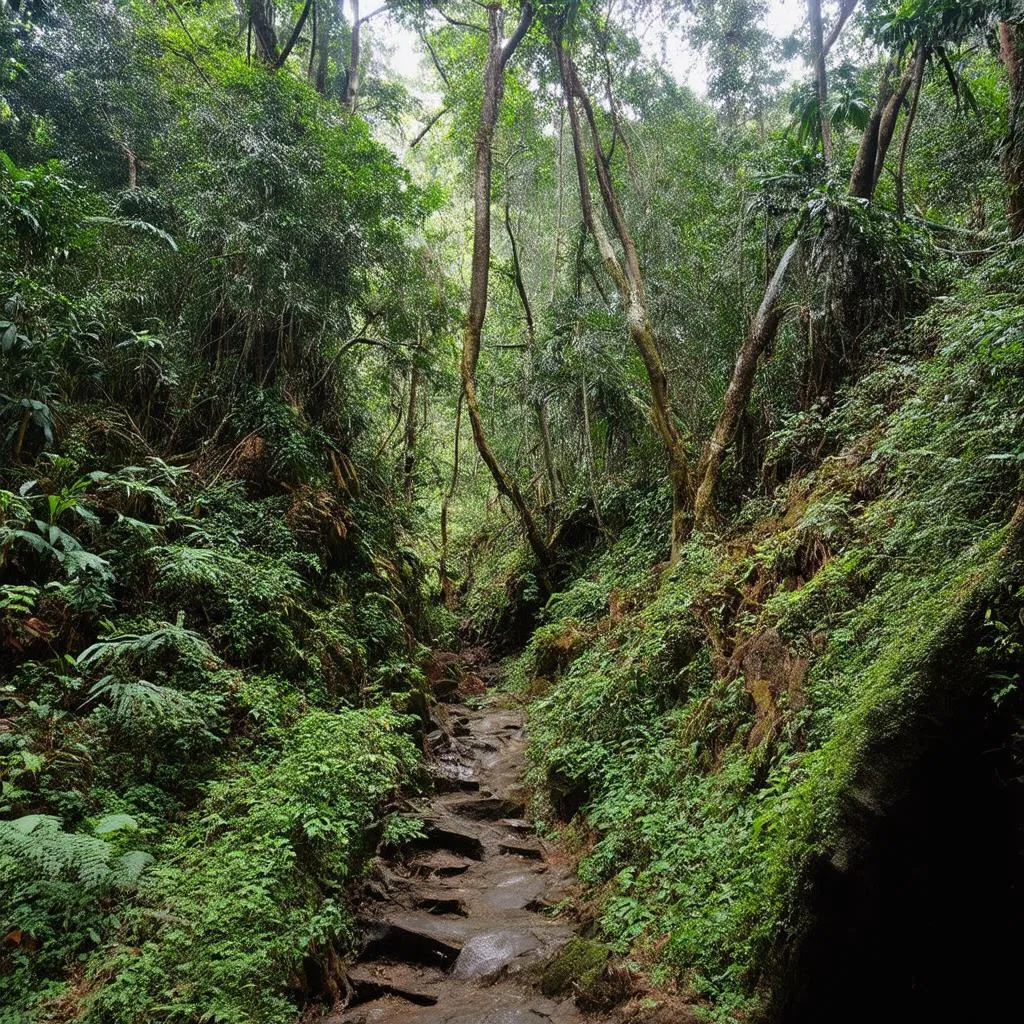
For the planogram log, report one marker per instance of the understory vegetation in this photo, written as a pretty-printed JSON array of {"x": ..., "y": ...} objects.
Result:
[{"x": 330, "y": 339}]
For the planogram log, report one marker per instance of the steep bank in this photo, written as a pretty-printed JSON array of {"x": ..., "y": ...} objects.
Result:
[{"x": 793, "y": 758}]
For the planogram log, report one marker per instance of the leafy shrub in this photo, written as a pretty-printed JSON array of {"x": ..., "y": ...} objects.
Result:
[{"x": 252, "y": 884}]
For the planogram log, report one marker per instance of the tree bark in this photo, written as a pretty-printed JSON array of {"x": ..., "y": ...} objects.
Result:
[
  {"x": 820, "y": 76},
  {"x": 759, "y": 340},
  {"x": 498, "y": 56},
  {"x": 447, "y": 587},
  {"x": 540, "y": 408},
  {"x": 261, "y": 20},
  {"x": 351, "y": 97},
  {"x": 409, "y": 462},
  {"x": 294, "y": 37},
  {"x": 1011, "y": 40},
  {"x": 878, "y": 134},
  {"x": 862, "y": 179},
  {"x": 891, "y": 113},
  {"x": 325, "y": 25},
  {"x": 630, "y": 286},
  {"x": 908, "y": 128}
]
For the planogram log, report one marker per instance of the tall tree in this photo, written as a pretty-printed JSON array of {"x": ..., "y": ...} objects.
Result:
[
  {"x": 499, "y": 52},
  {"x": 820, "y": 48},
  {"x": 1011, "y": 40},
  {"x": 632, "y": 293}
]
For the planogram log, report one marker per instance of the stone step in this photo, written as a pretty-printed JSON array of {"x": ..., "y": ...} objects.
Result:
[
  {"x": 407, "y": 943},
  {"x": 418, "y": 985},
  {"x": 485, "y": 808}
]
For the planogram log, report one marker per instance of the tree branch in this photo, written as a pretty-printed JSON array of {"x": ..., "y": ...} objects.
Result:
[{"x": 296, "y": 32}]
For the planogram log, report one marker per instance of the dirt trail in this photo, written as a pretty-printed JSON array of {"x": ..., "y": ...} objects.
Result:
[{"x": 452, "y": 936}]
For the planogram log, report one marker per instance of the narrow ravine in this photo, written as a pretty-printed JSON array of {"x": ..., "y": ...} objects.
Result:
[{"x": 458, "y": 929}]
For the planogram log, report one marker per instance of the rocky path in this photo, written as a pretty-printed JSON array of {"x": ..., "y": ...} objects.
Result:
[{"x": 458, "y": 929}]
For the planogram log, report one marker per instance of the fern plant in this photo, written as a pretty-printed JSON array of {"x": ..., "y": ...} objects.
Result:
[
  {"x": 132, "y": 699},
  {"x": 39, "y": 842},
  {"x": 146, "y": 648}
]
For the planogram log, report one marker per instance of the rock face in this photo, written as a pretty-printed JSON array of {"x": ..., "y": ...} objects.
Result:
[{"x": 461, "y": 936}]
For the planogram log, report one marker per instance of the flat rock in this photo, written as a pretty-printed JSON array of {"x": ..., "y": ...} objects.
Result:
[
  {"x": 440, "y": 862},
  {"x": 420, "y": 986},
  {"x": 410, "y": 941},
  {"x": 516, "y": 892},
  {"x": 530, "y": 849},
  {"x": 511, "y": 1015},
  {"x": 484, "y": 954}
]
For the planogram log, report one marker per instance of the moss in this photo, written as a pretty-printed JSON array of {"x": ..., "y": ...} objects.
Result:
[
  {"x": 767, "y": 680},
  {"x": 580, "y": 964}
]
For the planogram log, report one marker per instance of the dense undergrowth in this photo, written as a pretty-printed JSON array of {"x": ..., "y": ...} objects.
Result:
[
  {"x": 210, "y": 609},
  {"x": 702, "y": 726}
]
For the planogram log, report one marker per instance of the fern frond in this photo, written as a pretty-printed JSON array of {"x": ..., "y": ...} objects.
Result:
[{"x": 128, "y": 224}]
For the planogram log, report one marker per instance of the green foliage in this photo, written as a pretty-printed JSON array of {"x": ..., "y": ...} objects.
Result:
[
  {"x": 714, "y": 779},
  {"x": 240, "y": 895}
]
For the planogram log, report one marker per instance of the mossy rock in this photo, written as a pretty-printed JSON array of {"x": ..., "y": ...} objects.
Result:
[{"x": 581, "y": 963}]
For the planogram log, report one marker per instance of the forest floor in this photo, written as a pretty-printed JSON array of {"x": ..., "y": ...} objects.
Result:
[{"x": 461, "y": 927}]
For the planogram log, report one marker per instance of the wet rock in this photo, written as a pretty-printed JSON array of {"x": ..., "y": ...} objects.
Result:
[
  {"x": 512, "y": 1015},
  {"x": 449, "y": 776},
  {"x": 515, "y": 892},
  {"x": 449, "y": 833},
  {"x": 516, "y": 824},
  {"x": 401, "y": 980},
  {"x": 439, "y": 903},
  {"x": 485, "y": 954},
  {"x": 486, "y": 808},
  {"x": 386, "y": 940},
  {"x": 522, "y": 848},
  {"x": 440, "y": 862}
]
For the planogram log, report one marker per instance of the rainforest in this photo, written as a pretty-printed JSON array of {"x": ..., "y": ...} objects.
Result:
[{"x": 511, "y": 512}]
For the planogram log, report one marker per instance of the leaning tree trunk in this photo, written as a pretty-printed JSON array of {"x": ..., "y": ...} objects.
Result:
[
  {"x": 908, "y": 128},
  {"x": 630, "y": 286},
  {"x": 759, "y": 339},
  {"x": 1011, "y": 38},
  {"x": 881, "y": 126},
  {"x": 498, "y": 56}
]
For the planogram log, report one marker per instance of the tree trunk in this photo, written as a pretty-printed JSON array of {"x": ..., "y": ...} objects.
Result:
[
  {"x": 588, "y": 451},
  {"x": 887, "y": 125},
  {"x": 325, "y": 25},
  {"x": 531, "y": 344},
  {"x": 820, "y": 76},
  {"x": 908, "y": 128},
  {"x": 878, "y": 134},
  {"x": 409, "y": 462},
  {"x": 447, "y": 587},
  {"x": 1011, "y": 39},
  {"x": 759, "y": 339},
  {"x": 294, "y": 37},
  {"x": 494, "y": 81},
  {"x": 630, "y": 286},
  {"x": 352, "y": 77},
  {"x": 261, "y": 19},
  {"x": 862, "y": 180}
]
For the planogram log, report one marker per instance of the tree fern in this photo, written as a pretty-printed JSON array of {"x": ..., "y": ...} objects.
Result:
[
  {"x": 38, "y": 841},
  {"x": 143, "y": 647},
  {"x": 131, "y": 700}
]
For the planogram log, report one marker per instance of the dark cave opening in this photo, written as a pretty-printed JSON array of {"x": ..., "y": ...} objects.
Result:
[{"x": 925, "y": 919}]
